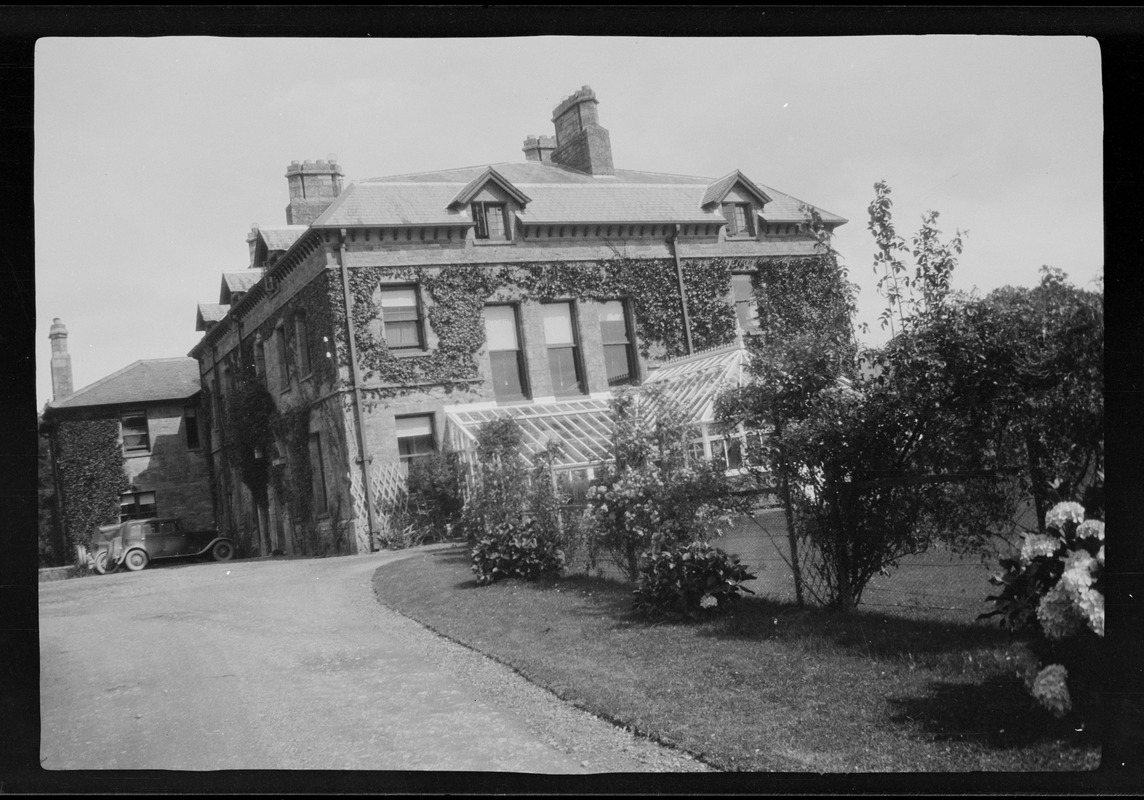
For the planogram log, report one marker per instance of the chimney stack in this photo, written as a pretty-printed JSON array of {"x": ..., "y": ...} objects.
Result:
[
  {"x": 580, "y": 141},
  {"x": 539, "y": 148},
  {"x": 313, "y": 186},
  {"x": 61, "y": 361}
]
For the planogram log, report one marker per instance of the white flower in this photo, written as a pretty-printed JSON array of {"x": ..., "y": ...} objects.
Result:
[
  {"x": 1058, "y": 615},
  {"x": 1100, "y": 555},
  {"x": 1062, "y": 513},
  {"x": 1035, "y": 544},
  {"x": 708, "y": 601},
  {"x": 1091, "y": 529},
  {"x": 1078, "y": 572},
  {"x": 1051, "y": 690},
  {"x": 1091, "y": 605}
]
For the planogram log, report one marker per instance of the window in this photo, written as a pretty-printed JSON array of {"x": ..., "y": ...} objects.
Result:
[
  {"x": 563, "y": 349},
  {"x": 318, "y": 474},
  {"x": 136, "y": 438},
  {"x": 303, "y": 341},
  {"x": 137, "y": 505},
  {"x": 739, "y": 222},
  {"x": 619, "y": 355},
  {"x": 502, "y": 332},
  {"x": 415, "y": 437},
  {"x": 401, "y": 317},
  {"x": 191, "y": 423},
  {"x": 746, "y": 306},
  {"x": 490, "y": 220},
  {"x": 260, "y": 360},
  {"x": 283, "y": 358}
]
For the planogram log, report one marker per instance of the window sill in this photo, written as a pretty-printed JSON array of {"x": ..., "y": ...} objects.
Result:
[
  {"x": 492, "y": 242},
  {"x": 409, "y": 352},
  {"x": 136, "y": 453}
]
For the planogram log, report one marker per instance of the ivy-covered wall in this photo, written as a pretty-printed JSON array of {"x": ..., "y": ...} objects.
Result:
[
  {"x": 458, "y": 293},
  {"x": 90, "y": 464}
]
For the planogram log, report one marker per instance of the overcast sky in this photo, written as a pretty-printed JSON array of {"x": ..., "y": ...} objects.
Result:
[{"x": 153, "y": 157}]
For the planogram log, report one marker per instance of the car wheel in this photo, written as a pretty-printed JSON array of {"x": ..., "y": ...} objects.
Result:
[
  {"x": 136, "y": 560},
  {"x": 103, "y": 564},
  {"x": 222, "y": 551}
]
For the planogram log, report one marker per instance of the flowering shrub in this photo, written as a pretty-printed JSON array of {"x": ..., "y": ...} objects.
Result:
[
  {"x": 1052, "y": 591},
  {"x": 516, "y": 550},
  {"x": 684, "y": 580},
  {"x": 653, "y": 496}
]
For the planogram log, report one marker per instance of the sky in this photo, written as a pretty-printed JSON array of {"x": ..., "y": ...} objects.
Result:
[{"x": 154, "y": 156}]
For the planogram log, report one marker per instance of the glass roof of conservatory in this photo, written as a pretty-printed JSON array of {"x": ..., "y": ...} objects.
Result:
[
  {"x": 584, "y": 425},
  {"x": 693, "y": 382}
]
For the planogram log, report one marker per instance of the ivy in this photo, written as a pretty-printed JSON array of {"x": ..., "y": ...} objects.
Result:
[
  {"x": 459, "y": 292},
  {"x": 90, "y": 461}
]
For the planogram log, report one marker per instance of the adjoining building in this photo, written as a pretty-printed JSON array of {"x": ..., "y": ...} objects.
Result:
[
  {"x": 533, "y": 289},
  {"x": 143, "y": 424}
]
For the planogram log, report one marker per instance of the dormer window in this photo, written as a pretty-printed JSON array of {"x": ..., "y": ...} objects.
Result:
[
  {"x": 491, "y": 221},
  {"x": 739, "y": 221}
]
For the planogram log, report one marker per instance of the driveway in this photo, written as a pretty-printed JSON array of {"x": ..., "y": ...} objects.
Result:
[{"x": 284, "y": 664}]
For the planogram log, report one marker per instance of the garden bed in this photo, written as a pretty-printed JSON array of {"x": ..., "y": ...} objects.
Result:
[{"x": 765, "y": 687}]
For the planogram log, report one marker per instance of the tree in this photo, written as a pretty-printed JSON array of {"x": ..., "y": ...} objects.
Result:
[{"x": 972, "y": 405}]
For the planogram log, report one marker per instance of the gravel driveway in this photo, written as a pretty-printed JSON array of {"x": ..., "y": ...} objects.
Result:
[{"x": 292, "y": 664}]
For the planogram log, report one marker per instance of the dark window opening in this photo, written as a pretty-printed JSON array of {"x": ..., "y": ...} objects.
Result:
[
  {"x": 137, "y": 505},
  {"x": 491, "y": 221},
  {"x": 318, "y": 474},
  {"x": 739, "y": 221},
  {"x": 136, "y": 438},
  {"x": 619, "y": 355},
  {"x": 191, "y": 422}
]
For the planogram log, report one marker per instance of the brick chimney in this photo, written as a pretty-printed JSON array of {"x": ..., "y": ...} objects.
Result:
[
  {"x": 313, "y": 186},
  {"x": 61, "y": 361},
  {"x": 539, "y": 148},
  {"x": 580, "y": 141}
]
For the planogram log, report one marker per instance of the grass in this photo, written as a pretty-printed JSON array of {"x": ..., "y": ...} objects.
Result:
[{"x": 764, "y": 687}]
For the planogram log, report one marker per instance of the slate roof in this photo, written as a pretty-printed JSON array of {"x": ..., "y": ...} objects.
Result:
[
  {"x": 209, "y": 312},
  {"x": 557, "y": 195},
  {"x": 145, "y": 381},
  {"x": 281, "y": 237},
  {"x": 237, "y": 282}
]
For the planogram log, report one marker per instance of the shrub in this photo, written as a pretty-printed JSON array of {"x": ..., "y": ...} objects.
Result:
[
  {"x": 654, "y": 496},
  {"x": 516, "y": 550},
  {"x": 1052, "y": 592},
  {"x": 435, "y": 500},
  {"x": 690, "y": 579}
]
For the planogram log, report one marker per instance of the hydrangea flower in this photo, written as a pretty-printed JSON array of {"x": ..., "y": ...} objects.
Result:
[
  {"x": 1035, "y": 544},
  {"x": 1058, "y": 615},
  {"x": 1100, "y": 555},
  {"x": 1091, "y": 529},
  {"x": 1063, "y": 513},
  {"x": 708, "y": 601},
  {"x": 1091, "y": 605},
  {"x": 1050, "y": 688}
]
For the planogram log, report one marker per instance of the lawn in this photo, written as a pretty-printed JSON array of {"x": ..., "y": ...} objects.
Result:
[{"x": 766, "y": 686}]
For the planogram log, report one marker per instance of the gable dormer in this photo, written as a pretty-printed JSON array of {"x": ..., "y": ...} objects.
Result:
[
  {"x": 740, "y": 200},
  {"x": 490, "y": 198}
]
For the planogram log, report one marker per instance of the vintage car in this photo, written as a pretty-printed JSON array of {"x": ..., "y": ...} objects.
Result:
[{"x": 133, "y": 544}]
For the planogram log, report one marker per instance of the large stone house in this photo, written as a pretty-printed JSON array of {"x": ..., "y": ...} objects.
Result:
[
  {"x": 149, "y": 414},
  {"x": 532, "y": 289}
]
